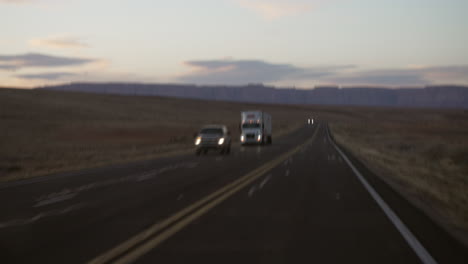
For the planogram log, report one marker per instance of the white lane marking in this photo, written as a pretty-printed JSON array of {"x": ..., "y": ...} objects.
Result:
[
  {"x": 252, "y": 190},
  {"x": 153, "y": 173},
  {"x": 337, "y": 196},
  {"x": 265, "y": 181},
  {"x": 27, "y": 221},
  {"x": 412, "y": 241},
  {"x": 69, "y": 193},
  {"x": 286, "y": 173},
  {"x": 55, "y": 199}
]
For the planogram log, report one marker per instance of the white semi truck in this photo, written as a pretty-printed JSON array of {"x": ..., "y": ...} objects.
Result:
[{"x": 255, "y": 128}]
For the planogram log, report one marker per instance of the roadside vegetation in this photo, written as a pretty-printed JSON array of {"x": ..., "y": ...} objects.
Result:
[
  {"x": 421, "y": 153},
  {"x": 45, "y": 132}
]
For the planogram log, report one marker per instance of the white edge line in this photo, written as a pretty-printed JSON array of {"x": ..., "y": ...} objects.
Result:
[{"x": 412, "y": 241}]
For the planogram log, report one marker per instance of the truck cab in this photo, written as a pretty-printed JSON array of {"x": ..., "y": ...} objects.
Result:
[
  {"x": 255, "y": 128},
  {"x": 213, "y": 137}
]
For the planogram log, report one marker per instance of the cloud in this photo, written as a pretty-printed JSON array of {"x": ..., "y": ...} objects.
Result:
[
  {"x": 412, "y": 75},
  {"x": 59, "y": 42},
  {"x": 37, "y": 79},
  {"x": 445, "y": 72},
  {"x": 275, "y": 9},
  {"x": 46, "y": 76},
  {"x": 7, "y": 67},
  {"x": 227, "y": 71},
  {"x": 88, "y": 76},
  {"x": 15, "y": 62},
  {"x": 379, "y": 77},
  {"x": 238, "y": 72}
]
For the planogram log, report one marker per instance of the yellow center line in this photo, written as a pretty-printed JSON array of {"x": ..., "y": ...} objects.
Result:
[{"x": 222, "y": 194}]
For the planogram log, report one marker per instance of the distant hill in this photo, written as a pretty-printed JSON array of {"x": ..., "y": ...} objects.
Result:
[{"x": 432, "y": 96}]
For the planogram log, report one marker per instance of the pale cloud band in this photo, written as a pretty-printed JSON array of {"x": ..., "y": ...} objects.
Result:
[
  {"x": 239, "y": 72},
  {"x": 428, "y": 75},
  {"x": 236, "y": 72},
  {"x": 247, "y": 71},
  {"x": 15, "y": 62},
  {"x": 46, "y": 76},
  {"x": 59, "y": 42}
]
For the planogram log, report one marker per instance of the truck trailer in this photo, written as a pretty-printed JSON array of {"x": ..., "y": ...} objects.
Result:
[{"x": 255, "y": 128}]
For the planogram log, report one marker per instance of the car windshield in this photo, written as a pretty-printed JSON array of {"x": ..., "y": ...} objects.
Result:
[
  {"x": 211, "y": 131},
  {"x": 251, "y": 125}
]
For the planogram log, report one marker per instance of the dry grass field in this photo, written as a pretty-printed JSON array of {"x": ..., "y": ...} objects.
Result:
[
  {"x": 44, "y": 132},
  {"x": 422, "y": 153}
]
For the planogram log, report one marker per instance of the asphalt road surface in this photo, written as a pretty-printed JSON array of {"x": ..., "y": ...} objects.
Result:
[{"x": 300, "y": 200}]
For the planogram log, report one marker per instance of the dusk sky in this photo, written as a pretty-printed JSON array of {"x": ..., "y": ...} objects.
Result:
[{"x": 284, "y": 43}]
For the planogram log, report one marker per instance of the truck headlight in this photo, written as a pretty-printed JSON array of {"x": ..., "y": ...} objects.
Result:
[
  {"x": 197, "y": 141},
  {"x": 259, "y": 137},
  {"x": 242, "y": 138},
  {"x": 220, "y": 141}
]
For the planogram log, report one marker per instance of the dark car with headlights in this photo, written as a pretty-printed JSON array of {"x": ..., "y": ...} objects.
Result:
[{"x": 213, "y": 137}]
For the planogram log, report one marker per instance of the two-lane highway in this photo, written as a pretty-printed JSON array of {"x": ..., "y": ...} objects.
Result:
[{"x": 294, "y": 201}]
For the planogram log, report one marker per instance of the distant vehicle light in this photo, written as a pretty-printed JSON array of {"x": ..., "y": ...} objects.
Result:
[
  {"x": 242, "y": 138},
  {"x": 220, "y": 141},
  {"x": 198, "y": 141},
  {"x": 259, "y": 138}
]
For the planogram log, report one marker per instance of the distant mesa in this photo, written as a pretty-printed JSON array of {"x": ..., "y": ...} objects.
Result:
[{"x": 443, "y": 96}]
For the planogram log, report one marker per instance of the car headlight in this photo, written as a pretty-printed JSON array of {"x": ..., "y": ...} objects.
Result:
[
  {"x": 197, "y": 141},
  {"x": 242, "y": 138},
  {"x": 259, "y": 137},
  {"x": 220, "y": 141}
]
